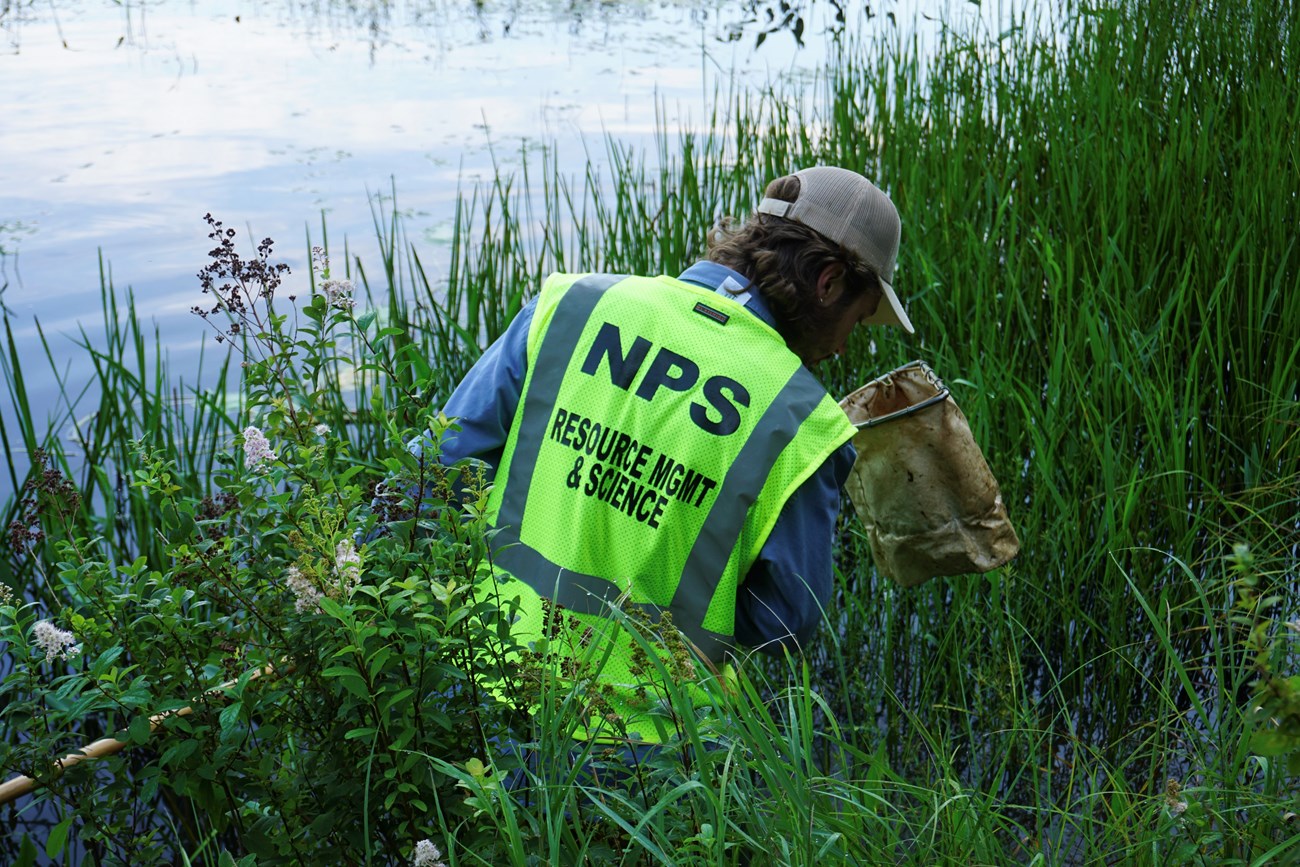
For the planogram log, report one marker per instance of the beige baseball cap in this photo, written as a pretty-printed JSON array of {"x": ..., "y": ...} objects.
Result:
[{"x": 856, "y": 214}]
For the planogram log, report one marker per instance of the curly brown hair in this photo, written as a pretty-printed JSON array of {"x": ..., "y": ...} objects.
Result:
[{"x": 783, "y": 260}]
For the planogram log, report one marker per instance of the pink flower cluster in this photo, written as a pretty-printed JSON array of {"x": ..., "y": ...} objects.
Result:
[{"x": 257, "y": 450}]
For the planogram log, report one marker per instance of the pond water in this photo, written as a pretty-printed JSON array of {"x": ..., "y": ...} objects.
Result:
[{"x": 123, "y": 123}]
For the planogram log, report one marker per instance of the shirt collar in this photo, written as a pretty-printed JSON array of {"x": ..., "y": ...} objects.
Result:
[{"x": 713, "y": 276}]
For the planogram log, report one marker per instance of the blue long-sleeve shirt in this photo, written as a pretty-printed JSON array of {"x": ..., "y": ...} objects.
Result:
[{"x": 781, "y": 600}]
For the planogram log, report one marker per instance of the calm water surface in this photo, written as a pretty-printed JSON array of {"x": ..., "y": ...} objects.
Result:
[{"x": 123, "y": 123}]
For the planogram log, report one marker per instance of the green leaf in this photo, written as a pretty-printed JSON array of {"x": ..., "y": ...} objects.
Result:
[
  {"x": 401, "y": 696},
  {"x": 104, "y": 663},
  {"x": 228, "y": 717},
  {"x": 404, "y": 736},
  {"x": 323, "y": 825},
  {"x": 1272, "y": 743},
  {"x": 178, "y": 752},
  {"x": 351, "y": 680},
  {"x": 381, "y": 656},
  {"x": 26, "y": 853},
  {"x": 333, "y": 609},
  {"x": 139, "y": 730},
  {"x": 58, "y": 837}
]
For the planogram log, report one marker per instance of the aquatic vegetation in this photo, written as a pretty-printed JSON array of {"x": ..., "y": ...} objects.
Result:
[{"x": 1100, "y": 255}]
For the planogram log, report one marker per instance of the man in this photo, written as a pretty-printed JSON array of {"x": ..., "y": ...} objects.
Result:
[{"x": 661, "y": 445}]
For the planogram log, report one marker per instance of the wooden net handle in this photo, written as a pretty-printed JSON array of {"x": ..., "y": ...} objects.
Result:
[{"x": 16, "y": 787}]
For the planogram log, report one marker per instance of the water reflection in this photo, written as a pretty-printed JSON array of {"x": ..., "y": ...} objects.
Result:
[{"x": 125, "y": 123}]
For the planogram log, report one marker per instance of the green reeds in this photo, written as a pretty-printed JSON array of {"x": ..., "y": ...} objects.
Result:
[{"x": 1100, "y": 252}]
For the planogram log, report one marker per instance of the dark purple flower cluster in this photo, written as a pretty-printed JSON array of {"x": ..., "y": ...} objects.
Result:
[
  {"x": 47, "y": 489},
  {"x": 236, "y": 283}
]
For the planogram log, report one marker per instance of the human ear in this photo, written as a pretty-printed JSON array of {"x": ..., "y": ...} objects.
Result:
[{"x": 830, "y": 284}]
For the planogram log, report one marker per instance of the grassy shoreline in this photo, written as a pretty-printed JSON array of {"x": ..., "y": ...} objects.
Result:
[{"x": 1100, "y": 253}]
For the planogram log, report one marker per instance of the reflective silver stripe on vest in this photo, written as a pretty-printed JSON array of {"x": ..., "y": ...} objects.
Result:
[
  {"x": 796, "y": 401},
  {"x": 589, "y": 594},
  {"x": 585, "y": 594}
]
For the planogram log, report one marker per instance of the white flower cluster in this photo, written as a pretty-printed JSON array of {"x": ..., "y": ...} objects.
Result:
[
  {"x": 347, "y": 572},
  {"x": 339, "y": 293},
  {"x": 427, "y": 855},
  {"x": 321, "y": 430},
  {"x": 347, "y": 566},
  {"x": 1174, "y": 799},
  {"x": 54, "y": 641},
  {"x": 257, "y": 450},
  {"x": 306, "y": 595}
]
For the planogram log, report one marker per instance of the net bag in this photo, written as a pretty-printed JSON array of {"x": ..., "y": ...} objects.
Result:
[{"x": 920, "y": 484}]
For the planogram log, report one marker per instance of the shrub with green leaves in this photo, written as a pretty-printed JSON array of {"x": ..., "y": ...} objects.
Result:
[
  {"x": 1124, "y": 692},
  {"x": 319, "y": 668},
  {"x": 280, "y": 682}
]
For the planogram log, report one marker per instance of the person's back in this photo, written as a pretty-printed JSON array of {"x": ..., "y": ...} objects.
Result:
[
  {"x": 661, "y": 446},
  {"x": 661, "y": 430}
]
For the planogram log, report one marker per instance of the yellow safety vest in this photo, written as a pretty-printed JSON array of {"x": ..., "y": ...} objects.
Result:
[{"x": 660, "y": 430}]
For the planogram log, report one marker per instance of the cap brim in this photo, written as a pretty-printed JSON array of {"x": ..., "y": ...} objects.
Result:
[{"x": 890, "y": 311}]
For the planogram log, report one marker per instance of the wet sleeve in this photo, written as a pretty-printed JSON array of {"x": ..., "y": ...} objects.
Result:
[{"x": 781, "y": 600}]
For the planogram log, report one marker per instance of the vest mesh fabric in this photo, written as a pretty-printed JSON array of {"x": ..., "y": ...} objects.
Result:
[{"x": 661, "y": 429}]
